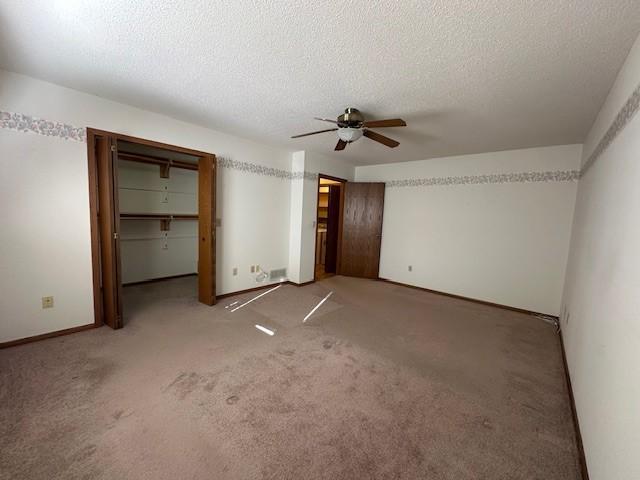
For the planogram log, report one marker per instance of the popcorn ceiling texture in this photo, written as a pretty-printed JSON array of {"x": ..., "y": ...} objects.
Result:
[{"x": 468, "y": 77}]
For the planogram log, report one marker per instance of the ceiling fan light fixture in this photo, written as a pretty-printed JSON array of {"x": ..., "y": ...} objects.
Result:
[{"x": 349, "y": 135}]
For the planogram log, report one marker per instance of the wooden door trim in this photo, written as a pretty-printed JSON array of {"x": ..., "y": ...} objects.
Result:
[
  {"x": 315, "y": 239},
  {"x": 93, "y": 222},
  {"x": 93, "y": 203},
  {"x": 149, "y": 143},
  {"x": 207, "y": 229}
]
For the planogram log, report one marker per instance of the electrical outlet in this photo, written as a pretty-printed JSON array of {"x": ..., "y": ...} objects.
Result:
[
  {"x": 165, "y": 246},
  {"x": 47, "y": 302},
  {"x": 410, "y": 268},
  {"x": 165, "y": 199},
  {"x": 253, "y": 269},
  {"x": 235, "y": 271}
]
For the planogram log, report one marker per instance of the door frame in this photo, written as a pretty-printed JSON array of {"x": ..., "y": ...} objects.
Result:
[
  {"x": 341, "y": 210},
  {"x": 93, "y": 208}
]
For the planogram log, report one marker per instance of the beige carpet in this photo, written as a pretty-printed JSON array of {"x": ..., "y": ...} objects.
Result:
[{"x": 382, "y": 382}]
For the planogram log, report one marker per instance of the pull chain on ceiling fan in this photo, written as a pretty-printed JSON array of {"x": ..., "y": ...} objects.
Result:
[{"x": 351, "y": 125}]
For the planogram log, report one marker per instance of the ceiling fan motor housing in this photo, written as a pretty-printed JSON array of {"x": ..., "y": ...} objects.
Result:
[{"x": 351, "y": 118}]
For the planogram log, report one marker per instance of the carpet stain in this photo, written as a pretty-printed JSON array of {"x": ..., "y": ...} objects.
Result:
[
  {"x": 287, "y": 353},
  {"x": 210, "y": 386},
  {"x": 187, "y": 383},
  {"x": 233, "y": 399},
  {"x": 120, "y": 414},
  {"x": 84, "y": 453}
]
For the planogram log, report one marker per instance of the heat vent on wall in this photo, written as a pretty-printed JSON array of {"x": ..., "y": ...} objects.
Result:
[{"x": 279, "y": 274}]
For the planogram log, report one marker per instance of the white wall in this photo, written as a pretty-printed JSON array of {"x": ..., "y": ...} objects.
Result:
[
  {"x": 601, "y": 318},
  {"x": 304, "y": 200},
  {"x": 146, "y": 251},
  {"x": 296, "y": 217},
  {"x": 45, "y": 236},
  {"x": 505, "y": 243}
]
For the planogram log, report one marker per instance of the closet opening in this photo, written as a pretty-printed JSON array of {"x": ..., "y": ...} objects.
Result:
[
  {"x": 152, "y": 224},
  {"x": 328, "y": 226}
]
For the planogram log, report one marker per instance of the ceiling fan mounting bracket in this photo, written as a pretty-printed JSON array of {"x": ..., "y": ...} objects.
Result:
[{"x": 351, "y": 118}]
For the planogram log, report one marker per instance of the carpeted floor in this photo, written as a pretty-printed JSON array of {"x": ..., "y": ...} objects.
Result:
[{"x": 382, "y": 382}]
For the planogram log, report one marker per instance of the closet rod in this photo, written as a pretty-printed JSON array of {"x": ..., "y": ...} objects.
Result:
[
  {"x": 134, "y": 157},
  {"x": 158, "y": 216}
]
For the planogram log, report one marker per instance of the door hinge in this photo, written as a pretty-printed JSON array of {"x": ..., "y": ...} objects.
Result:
[
  {"x": 113, "y": 148},
  {"x": 115, "y": 235}
]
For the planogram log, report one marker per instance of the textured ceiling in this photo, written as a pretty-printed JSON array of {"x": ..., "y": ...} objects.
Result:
[{"x": 468, "y": 76}]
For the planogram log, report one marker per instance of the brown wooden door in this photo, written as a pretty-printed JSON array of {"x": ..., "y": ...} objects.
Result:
[
  {"x": 207, "y": 230},
  {"x": 109, "y": 228},
  {"x": 361, "y": 229}
]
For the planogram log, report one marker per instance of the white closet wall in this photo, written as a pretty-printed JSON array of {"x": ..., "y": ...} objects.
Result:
[{"x": 146, "y": 251}]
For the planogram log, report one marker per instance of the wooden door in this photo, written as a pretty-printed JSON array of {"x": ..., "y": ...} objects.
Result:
[
  {"x": 207, "y": 230},
  {"x": 361, "y": 229},
  {"x": 333, "y": 226},
  {"x": 106, "y": 152}
]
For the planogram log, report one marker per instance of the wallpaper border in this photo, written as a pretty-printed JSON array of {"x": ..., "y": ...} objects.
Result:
[
  {"x": 626, "y": 113},
  {"x": 495, "y": 178},
  {"x": 26, "y": 123}
]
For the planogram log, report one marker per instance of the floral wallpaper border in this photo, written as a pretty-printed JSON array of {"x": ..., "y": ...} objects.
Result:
[
  {"x": 522, "y": 177},
  {"x": 259, "y": 169},
  {"x": 27, "y": 123},
  {"x": 624, "y": 116}
]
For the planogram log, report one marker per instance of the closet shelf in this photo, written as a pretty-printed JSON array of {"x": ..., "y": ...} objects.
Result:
[
  {"x": 165, "y": 218},
  {"x": 165, "y": 164}
]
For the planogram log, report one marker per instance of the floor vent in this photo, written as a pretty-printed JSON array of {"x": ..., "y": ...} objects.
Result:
[{"x": 278, "y": 274}]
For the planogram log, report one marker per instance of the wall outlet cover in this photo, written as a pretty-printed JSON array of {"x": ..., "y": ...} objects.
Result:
[
  {"x": 235, "y": 270},
  {"x": 410, "y": 268},
  {"x": 47, "y": 302}
]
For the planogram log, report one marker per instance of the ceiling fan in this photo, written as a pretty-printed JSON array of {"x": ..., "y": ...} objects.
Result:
[{"x": 351, "y": 125}]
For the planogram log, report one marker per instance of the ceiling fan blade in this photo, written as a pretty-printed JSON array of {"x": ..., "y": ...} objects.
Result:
[
  {"x": 340, "y": 145},
  {"x": 380, "y": 138},
  {"x": 392, "y": 122},
  {"x": 325, "y": 120},
  {"x": 313, "y": 133}
]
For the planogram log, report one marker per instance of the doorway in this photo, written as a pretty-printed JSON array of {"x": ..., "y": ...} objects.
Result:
[
  {"x": 152, "y": 211},
  {"x": 328, "y": 225}
]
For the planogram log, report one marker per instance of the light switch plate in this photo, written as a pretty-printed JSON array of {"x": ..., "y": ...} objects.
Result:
[{"x": 47, "y": 302}]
